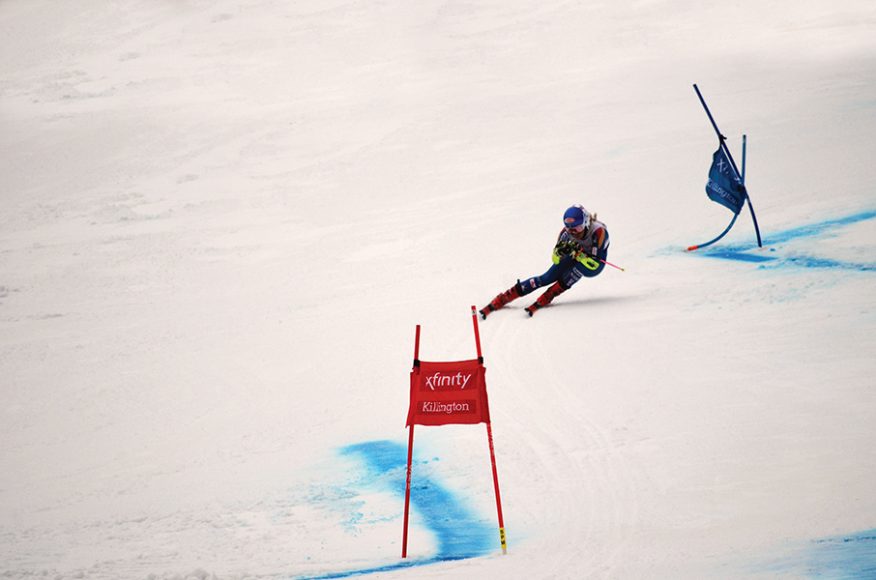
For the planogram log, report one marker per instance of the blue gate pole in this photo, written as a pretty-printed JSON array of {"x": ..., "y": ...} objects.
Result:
[
  {"x": 750, "y": 207},
  {"x": 721, "y": 138},
  {"x": 712, "y": 241},
  {"x": 721, "y": 141}
]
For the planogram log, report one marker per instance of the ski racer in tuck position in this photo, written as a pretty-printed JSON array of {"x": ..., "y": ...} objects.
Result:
[{"x": 580, "y": 252}]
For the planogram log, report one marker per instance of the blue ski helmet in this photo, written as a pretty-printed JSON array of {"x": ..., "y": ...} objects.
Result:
[{"x": 576, "y": 218}]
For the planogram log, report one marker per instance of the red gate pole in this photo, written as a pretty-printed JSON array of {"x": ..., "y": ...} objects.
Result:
[
  {"x": 498, "y": 496},
  {"x": 410, "y": 455},
  {"x": 408, "y": 492},
  {"x": 474, "y": 321},
  {"x": 502, "y": 541}
]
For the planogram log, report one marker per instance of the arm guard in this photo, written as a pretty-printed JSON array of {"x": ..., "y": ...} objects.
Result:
[{"x": 587, "y": 261}]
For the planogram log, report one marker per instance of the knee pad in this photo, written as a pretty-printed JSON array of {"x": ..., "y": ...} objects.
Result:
[{"x": 527, "y": 286}]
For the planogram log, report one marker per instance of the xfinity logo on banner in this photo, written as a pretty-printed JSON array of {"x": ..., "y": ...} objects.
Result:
[
  {"x": 438, "y": 407},
  {"x": 447, "y": 381}
]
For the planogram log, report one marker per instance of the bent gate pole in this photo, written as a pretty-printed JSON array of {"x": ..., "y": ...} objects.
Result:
[
  {"x": 713, "y": 240},
  {"x": 721, "y": 141},
  {"x": 502, "y": 540}
]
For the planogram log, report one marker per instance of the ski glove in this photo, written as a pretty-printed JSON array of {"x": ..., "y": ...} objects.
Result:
[{"x": 563, "y": 249}]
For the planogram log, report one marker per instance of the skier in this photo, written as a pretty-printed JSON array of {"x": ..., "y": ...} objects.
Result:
[{"x": 580, "y": 252}]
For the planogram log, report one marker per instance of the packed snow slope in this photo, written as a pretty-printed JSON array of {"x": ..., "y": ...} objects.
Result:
[{"x": 221, "y": 221}]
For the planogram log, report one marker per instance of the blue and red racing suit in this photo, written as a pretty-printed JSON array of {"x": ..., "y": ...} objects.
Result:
[{"x": 573, "y": 258}]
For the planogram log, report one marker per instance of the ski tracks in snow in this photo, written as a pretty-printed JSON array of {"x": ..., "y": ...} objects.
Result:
[{"x": 590, "y": 487}]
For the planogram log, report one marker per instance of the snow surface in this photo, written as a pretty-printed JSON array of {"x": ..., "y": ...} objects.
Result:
[{"x": 221, "y": 221}]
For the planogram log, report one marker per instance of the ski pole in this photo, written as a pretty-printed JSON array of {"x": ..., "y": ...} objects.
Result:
[{"x": 610, "y": 264}]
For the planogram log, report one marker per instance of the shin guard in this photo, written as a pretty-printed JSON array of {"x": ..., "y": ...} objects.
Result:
[
  {"x": 501, "y": 300},
  {"x": 552, "y": 292}
]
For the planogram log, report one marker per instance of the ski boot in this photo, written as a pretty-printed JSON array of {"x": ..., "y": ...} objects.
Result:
[
  {"x": 555, "y": 290},
  {"x": 501, "y": 300}
]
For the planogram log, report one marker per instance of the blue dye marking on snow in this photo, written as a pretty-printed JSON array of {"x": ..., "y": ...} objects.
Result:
[
  {"x": 844, "y": 557},
  {"x": 740, "y": 256},
  {"x": 813, "y": 262},
  {"x": 375, "y": 570},
  {"x": 816, "y": 229},
  {"x": 460, "y": 534},
  {"x": 822, "y": 228}
]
